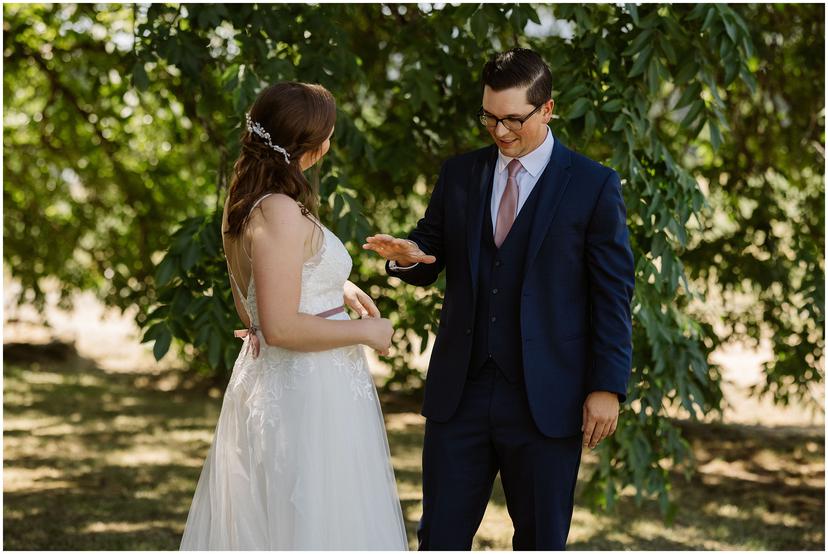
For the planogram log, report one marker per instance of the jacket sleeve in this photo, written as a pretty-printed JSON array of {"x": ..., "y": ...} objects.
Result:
[
  {"x": 611, "y": 273},
  {"x": 429, "y": 236}
]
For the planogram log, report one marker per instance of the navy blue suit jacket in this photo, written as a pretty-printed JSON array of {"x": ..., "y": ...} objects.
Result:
[{"x": 578, "y": 282}]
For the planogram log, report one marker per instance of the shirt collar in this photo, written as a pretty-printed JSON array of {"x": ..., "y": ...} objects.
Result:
[{"x": 534, "y": 161}]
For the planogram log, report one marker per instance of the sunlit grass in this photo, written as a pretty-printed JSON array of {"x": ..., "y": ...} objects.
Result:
[{"x": 96, "y": 460}]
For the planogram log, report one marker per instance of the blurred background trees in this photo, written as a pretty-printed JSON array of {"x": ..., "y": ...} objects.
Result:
[{"x": 121, "y": 125}]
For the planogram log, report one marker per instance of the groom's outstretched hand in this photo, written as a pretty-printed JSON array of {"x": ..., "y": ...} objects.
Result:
[
  {"x": 600, "y": 417},
  {"x": 403, "y": 251}
]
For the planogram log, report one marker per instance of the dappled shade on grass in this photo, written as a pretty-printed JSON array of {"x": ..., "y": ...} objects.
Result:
[{"x": 97, "y": 460}]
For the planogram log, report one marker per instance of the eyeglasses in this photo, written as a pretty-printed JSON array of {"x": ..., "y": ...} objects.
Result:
[{"x": 511, "y": 123}]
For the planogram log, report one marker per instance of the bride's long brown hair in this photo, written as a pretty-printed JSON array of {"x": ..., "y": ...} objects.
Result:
[{"x": 299, "y": 118}]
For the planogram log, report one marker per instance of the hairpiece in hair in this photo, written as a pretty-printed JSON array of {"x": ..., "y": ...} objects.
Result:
[{"x": 256, "y": 128}]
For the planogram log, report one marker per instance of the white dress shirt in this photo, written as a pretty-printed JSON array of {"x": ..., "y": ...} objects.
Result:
[
  {"x": 533, "y": 165},
  {"x": 527, "y": 177}
]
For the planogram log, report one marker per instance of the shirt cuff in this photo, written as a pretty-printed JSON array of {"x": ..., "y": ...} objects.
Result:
[{"x": 392, "y": 265}]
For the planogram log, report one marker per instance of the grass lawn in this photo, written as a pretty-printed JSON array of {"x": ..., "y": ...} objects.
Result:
[{"x": 102, "y": 460}]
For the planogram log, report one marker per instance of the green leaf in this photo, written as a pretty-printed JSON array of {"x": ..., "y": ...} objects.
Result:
[
  {"x": 139, "y": 77},
  {"x": 531, "y": 14},
  {"x": 518, "y": 19},
  {"x": 732, "y": 66},
  {"x": 688, "y": 71},
  {"x": 214, "y": 348},
  {"x": 711, "y": 15},
  {"x": 153, "y": 332},
  {"x": 165, "y": 270},
  {"x": 196, "y": 305},
  {"x": 727, "y": 49},
  {"x": 715, "y": 136},
  {"x": 590, "y": 121},
  {"x": 641, "y": 61},
  {"x": 730, "y": 28},
  {"x": 653, "y": 80},
  {"x": 603, "y": 49},
  {"x": 191, "y": 255},
  {"x": 181, "y": 300},
  {"x": 633, "y": 11},
  {"x": 203, "y": 333},
  {"x": 479, "y": 25},
  {"x": 210, "y": 241},
  {"x": 575, "y": 91},
  {"x": 230, "y": 355},
  {"x": 279, "y": 69},
  {"x": 613, "y": 105},
  {"x": 639, "y": 42},
  {"x": 690, "y": 94},
  {"x": 579, "y": 108},
  {"x": 162, "y": 343},
  {"x": 159, "y": 312},
  {"x": 243, "y": 97},
  {"x": 668, "y": 50},
  {"x": 692, "y": 113},
  {"x": 230, "y": 78}
]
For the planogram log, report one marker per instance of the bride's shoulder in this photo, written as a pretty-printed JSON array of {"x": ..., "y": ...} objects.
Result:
[
  {"x": 280, "y": 205},
  {"x": 279, "y": 211}
]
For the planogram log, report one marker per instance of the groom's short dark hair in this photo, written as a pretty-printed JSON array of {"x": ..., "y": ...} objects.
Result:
[{"x": 520, "y": 67}]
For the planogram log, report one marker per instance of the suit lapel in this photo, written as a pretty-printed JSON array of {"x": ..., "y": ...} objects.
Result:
[
  {"x": 553, "y": 182},
  {"x": 481, "y": 179}
]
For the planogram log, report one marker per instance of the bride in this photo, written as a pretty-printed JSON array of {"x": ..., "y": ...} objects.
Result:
[{"x": 300, "y": 459}]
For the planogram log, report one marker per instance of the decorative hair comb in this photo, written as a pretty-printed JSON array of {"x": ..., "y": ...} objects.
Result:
[{"x": 256, "y": 128}]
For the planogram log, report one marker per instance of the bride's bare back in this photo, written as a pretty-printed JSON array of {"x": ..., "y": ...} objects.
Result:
[{"x": 237, "y": 250}]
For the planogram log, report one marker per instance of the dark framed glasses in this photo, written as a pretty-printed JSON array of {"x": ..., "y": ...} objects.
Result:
[{"x": 511, "y": 123}]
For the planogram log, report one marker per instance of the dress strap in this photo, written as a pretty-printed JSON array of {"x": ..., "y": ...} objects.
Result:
[
  {"x": 236, "y": 283},
  {"x": 307, "y": 214},
  {"x": 256, "y": 203},
  {"x": 243, "y": 296}
]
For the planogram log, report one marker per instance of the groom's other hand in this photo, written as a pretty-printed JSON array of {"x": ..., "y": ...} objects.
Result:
[
  {"x": 600, "y": 417},
  {"x": 403, "y": 251}
]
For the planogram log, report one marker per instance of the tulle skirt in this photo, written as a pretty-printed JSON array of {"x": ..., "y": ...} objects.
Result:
[{"x": 299, "y": 461}]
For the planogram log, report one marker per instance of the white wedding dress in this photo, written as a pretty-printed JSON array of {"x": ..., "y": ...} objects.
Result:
[{"x": 300, "y": 458}]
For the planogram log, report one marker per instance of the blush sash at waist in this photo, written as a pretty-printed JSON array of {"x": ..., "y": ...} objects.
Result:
[{"x": 251, "y": 332}]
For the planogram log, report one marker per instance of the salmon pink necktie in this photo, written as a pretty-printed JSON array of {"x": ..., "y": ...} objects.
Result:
[{"x": 508, "y": 204}]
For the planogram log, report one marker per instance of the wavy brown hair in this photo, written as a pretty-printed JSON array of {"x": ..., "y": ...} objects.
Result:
[{"x": 299, "y": 118}]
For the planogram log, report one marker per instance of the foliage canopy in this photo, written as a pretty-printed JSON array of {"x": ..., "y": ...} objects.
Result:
[{"x": 122, "y": 122}]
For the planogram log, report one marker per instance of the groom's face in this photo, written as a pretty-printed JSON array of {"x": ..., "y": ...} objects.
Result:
[{"x": 512, "y": 103}]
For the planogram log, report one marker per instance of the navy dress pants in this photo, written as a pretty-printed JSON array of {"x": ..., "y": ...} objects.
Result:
[{"x": 493, "y": 431}]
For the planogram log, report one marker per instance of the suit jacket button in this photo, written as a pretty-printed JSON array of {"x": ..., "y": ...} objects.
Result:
[
  {"x": 468, "y": 331},
  {"x": 494, "y": 319}
]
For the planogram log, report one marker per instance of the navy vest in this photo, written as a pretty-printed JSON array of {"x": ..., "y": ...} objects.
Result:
[{"x": 500, "y": 278}]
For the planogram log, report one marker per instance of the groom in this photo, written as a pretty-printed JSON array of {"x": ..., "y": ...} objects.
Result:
[{"x": 533, "y": 350}]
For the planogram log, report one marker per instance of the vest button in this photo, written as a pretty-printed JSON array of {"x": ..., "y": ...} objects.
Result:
[
  {"x": 498, "y": 263},
  {"x": 468, "y": 331},
  {"x": 494, "y": 291},
  {"x": 494, "y": 319}
]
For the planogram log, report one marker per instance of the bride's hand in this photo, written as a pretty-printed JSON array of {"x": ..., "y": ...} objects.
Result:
[
  {"x": 378, "y": 334},
  {"x": 358, "y": 301}
]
